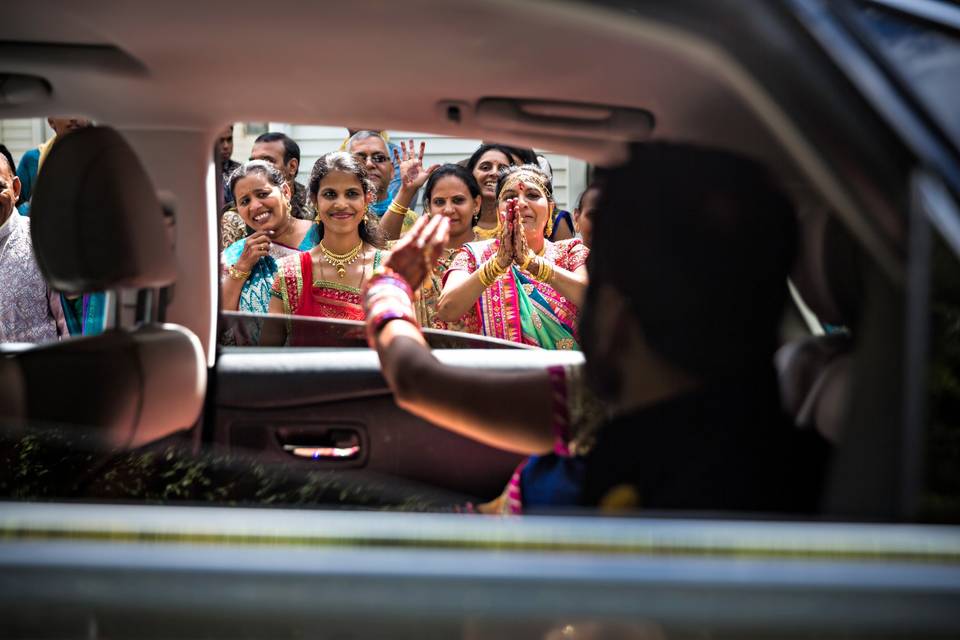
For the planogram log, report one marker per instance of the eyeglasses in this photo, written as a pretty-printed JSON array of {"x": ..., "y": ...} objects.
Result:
[{"x": 377, "y": 158}]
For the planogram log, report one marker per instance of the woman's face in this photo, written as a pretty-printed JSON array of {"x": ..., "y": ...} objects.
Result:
[
  {"x": 533, "y": 207},
  {"x": 488, "y": 169},
  {"x": 451, "y": 198},
  {"x": 262, "y": 205},
  {"x": 341, "y": 202}
]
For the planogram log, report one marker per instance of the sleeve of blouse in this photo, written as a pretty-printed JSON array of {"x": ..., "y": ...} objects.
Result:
[
  {"x": 577, "y": 255},
  {"x": 462, "y": 261}
]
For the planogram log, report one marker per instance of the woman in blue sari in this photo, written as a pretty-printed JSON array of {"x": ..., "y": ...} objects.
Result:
[{"x": 249, "y": 265}]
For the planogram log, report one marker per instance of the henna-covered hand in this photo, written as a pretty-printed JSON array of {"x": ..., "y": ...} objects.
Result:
[{"x": 415, "y": 254}]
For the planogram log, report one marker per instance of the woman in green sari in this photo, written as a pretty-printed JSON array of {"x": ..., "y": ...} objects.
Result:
[{"x": 520, "y": 286}]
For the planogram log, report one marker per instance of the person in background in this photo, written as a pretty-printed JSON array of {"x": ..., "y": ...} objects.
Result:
[
  {"x": 586, "y": 209},
  {"x": 400, "y": 215},
  {"x": 262, "y": 196},
  {"x": 223, "y": 154},
  {"x": 325, "y": 282},
  {"x": 692, "y": 411},
  {"x": 485, "y": 164},
  {"x": 452, "y": 192},
  {"x": 521, "y": 287},
  {"x": 374, "y": 153},
  {"x": 281, "y": 151},
  {"x": 29, "y": 310},
  {"x": 30, "y": 162},
  {"x": 562, "y": 220}
]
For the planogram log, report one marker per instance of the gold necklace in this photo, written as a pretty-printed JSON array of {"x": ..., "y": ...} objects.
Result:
[{"x": 340, "y": 260}]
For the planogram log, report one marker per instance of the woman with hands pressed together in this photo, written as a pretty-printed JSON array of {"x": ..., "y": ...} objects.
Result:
[
  {"x": 520, "y": 286},
  {"x": 249, "y": 265}
]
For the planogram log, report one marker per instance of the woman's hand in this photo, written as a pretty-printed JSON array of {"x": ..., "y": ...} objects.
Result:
[
  {"x": 412, "y": 172},
  {"x": 414, "y": 255},
  {"x": 506, "y": 252},
  {"x": 256, "y": 246},
  {"x": 522, "y": 251}
]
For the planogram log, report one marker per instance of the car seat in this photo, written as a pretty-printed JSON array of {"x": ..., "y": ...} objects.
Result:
[{"x": 97, "y": 225}]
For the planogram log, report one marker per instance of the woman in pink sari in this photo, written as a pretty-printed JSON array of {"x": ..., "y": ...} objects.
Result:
[{"x": 520, "y": 286}]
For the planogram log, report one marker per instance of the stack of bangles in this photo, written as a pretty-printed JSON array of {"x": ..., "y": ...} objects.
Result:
[
  {"x": 386, "y": 297},
  {"x": 398, "y": 208},
  {"x": 543, "y": 269},
  {"x": 237, "y": 274},
  {"x": 490, "y": 271}
]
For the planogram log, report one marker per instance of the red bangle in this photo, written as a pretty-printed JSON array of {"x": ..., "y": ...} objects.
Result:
[{"x": 381, "y": 317}]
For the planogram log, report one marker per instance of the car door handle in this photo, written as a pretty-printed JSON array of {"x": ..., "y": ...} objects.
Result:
[{"x": 323, "y": 444}]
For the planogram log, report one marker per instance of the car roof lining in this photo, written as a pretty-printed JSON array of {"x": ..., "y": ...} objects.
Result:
[{"x": 697, "y": 91}]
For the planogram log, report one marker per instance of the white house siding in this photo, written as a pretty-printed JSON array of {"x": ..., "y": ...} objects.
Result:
[
  {"x": 22, "y": 134},
  {"x": 569, "y": 174}
]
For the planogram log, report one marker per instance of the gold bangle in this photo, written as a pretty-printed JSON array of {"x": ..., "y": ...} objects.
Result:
[
  {"x": 526, "y": 261},
  {"x": 396, "y": 207},
  {"x": 237, "y": 274},
  {"x": 544, "y": 271}
]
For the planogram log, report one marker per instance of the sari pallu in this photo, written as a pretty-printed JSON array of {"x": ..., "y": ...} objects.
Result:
[
  {"x": 519, "y": 308},
  {"x": 255, "y": 295},
  {"x": 303, "y": 296}
]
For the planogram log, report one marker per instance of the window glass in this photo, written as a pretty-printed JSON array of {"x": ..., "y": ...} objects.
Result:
[
  {"x": 926, "y": 56},
  {"x": 941, "y": 496},
  {"x": 280, "y": 222},
  {"x": 33, "y": 311}
]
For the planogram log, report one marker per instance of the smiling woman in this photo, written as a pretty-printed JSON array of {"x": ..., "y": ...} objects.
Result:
[
  {"x": 249, "y": 265},
  {"x": 325, "y": 282}
]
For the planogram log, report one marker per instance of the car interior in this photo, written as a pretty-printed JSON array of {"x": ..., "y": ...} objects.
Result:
[{"x": 706, "y": 79}]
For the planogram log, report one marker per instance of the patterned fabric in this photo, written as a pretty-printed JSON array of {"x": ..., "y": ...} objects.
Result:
[
  {"x": 302, "y": 295},
  {"x": 232, "y": 228},
  {"x": 428, "y": 296},
  {"x": 29, "y": 310},
  {"x": 556, "y": 479},
  {"x": 255, "y": 294},
  {"x": 519, "y": 308},
  {"x": 27, "y": 172}
]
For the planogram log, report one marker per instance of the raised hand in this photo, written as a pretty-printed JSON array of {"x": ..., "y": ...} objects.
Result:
[
  {"x": 412, "y": 172},
  {"x": 415, "y": 254},
  {"x": 256, "y": 246}
]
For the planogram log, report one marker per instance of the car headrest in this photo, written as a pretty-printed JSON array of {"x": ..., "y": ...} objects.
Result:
[
  {"x": 827, "y": 272},
  {"x": 95, "y": 218}
]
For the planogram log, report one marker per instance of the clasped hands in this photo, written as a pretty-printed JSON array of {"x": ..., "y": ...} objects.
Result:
[{"x": 513, "y": 239}]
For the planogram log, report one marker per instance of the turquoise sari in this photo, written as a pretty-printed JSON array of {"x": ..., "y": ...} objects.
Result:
[{"x": 255, "y": 295}]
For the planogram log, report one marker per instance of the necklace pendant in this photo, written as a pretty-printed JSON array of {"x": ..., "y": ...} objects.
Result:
[{"x": 341, "y": 272}]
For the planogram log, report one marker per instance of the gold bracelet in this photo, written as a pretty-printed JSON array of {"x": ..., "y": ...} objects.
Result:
[
  {"x": 530, "y": 256},
  {"x": 396, "y": 207},
  {"x": 237, "y": 274},
  {"x": 544, "y": 271},
  {"x": 490, "y": 271}
]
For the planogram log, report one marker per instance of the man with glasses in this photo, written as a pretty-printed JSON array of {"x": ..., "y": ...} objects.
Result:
[{"x": 375, "y": 154}]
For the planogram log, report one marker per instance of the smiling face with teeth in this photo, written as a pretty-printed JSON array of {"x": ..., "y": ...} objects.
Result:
[
  {"x": 488, "y": 169},
  {"x": 341, "y": 202},
  {"x": 260, "y": 203}
]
